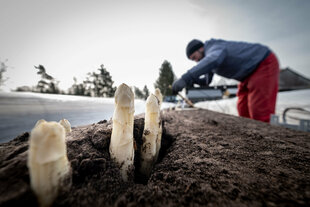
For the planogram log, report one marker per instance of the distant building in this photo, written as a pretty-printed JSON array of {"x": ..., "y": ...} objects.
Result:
[
  {"x": 204, "y": 94},
  {"x": 290, "y": 80},
  {"x": 231, "y": 92},
  {"x": 210, "y": 92},
  {"x": 172, "y": 99}
]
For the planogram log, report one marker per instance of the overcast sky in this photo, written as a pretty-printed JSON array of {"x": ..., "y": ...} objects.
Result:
[{"x": 132, "y": 38}]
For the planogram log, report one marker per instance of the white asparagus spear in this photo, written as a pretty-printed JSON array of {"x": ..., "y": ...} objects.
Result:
[
  {"x": 150, "y": 135},
  {"x": 66, "y": 124},
  {"x": 158, "y": 141},
  {"x": 159, "y": 96},
  {"x": 122, "y": 145},
  {"x": 47, "y": 160}
]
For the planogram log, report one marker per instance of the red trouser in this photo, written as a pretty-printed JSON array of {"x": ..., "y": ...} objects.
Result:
[{"x": 257, "y": 94}]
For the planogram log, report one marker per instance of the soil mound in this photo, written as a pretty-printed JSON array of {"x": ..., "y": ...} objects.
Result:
[{"x": 207, "y": 159}]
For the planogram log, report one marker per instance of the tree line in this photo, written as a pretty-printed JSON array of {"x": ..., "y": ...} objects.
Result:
[
  {"x": 96, "y": 84},
  {"x": 3, "y": 69}
]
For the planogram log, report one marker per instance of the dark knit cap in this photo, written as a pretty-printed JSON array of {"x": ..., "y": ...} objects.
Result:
[{"x": 192, "y": 46}]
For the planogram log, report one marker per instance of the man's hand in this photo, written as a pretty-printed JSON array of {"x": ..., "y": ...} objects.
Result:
[{"x": 178, "y": 85}]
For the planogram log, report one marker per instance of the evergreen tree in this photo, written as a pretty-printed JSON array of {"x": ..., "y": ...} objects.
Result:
[
  {"x": 88, "y": 85},
  {"x": 146, "y": 92},
  {"x": 141, "y": 94},
  {"x": 138, "y": 93},
  {"x": 102, "y": 84},
  {"x": 98, "y": 84},
  {"x": 165, "y": 79},
  {"x": 78, "y": 89},
  {"x": 47, "y": 84}
]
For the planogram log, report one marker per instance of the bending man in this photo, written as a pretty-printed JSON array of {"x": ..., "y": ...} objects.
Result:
[{"x": 254, "y": 65}]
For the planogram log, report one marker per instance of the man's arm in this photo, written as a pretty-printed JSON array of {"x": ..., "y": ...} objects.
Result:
[
  {"x": 206, "y": 80},
  {"x": 214, "y": 57}
]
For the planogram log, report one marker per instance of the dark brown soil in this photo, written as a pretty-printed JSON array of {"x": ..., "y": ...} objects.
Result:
[{"x": 207, "y": 159}]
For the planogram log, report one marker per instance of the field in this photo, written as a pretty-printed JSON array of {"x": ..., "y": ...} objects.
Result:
[{"x": 207, "y": 159}]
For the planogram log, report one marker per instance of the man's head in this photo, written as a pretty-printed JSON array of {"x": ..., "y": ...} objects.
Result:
[{"x": 194, "y": 50}]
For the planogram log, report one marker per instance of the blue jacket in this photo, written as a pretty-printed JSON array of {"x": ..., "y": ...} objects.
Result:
[{"x": 230, "y": 59}]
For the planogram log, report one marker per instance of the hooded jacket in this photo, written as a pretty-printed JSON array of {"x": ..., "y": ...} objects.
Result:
[{"x": 230, "y": 59}]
